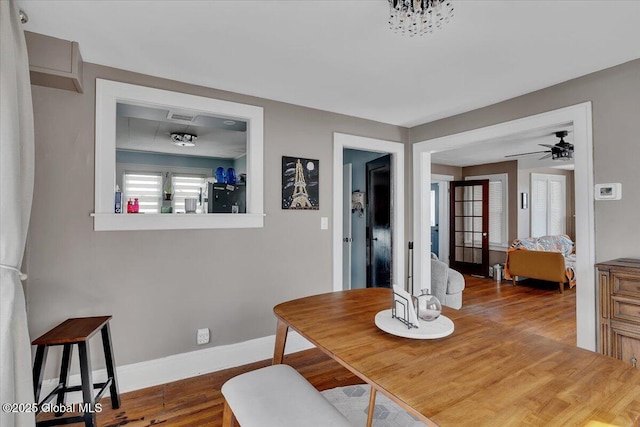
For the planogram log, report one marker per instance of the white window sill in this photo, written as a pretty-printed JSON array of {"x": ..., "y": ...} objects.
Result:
[
  {"x": 131, "y": 222},
  {"x": 498, "y": 248}
]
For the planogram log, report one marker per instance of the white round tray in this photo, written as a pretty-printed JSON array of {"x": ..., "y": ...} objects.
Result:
[{"x": 439, "y": 328}]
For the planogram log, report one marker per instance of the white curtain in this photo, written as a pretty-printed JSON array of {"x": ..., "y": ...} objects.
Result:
[{"x": 16, "y": 192}]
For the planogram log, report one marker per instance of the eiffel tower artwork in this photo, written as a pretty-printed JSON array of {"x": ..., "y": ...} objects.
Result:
[{"x": 299, "y": 183}]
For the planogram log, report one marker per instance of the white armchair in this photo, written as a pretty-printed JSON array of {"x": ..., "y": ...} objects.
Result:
[{"x": 446, "y": 284}]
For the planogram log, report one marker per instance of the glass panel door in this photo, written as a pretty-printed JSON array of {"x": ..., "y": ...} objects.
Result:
[{"x": 469, "y": 238}]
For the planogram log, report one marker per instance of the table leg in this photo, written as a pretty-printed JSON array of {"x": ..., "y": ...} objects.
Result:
[
  {"x": 372, "y": 407},
  {"x": 281, "y": 340}
]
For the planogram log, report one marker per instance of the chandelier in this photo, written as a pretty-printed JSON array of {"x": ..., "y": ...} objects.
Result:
[
  {"x": 418, "y": 16},
  {"x": 184, "y": 139}
]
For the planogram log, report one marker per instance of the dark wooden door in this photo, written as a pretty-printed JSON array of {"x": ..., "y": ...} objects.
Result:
[
  {"x": 469, "y": 227},
  {"x": 379, "y": 244}
]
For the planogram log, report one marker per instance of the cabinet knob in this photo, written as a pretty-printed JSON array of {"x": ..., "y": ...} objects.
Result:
[{"x": 634, "y": 361}]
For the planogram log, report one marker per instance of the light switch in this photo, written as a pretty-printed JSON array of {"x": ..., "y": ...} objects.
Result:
[{"x": 324, "y": 223}]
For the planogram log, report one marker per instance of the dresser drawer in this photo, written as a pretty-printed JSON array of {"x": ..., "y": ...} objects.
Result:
[
  {"x": 627, "y": 309},
  {"x": 625, "y": 344},
  {"x": 625, "y": 283},
  {"x": 619, "y": 309}
]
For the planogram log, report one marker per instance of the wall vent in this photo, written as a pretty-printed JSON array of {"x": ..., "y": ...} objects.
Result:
[{"x": 179, "y": 116}]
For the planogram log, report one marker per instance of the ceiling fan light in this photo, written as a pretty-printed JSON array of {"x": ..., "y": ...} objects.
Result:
[
  {"x": 184, "y": 139},
  {"x": 562, "y": 155}
]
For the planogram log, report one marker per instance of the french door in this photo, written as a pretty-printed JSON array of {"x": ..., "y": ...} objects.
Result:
[{"x": 469, "y": 227}]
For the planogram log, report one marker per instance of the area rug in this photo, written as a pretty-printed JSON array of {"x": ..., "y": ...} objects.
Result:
[{"x": 353, "y": 403}]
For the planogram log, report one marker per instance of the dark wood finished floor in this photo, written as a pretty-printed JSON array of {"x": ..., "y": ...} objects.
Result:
[{"x": 536, "y": 307}]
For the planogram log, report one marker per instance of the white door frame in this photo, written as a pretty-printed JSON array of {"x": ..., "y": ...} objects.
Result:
[
  {"x": 443, "y": 184},
  {"x": 580, "y": 117},
  {"x": 396, "y": 149},
  {"x": 347, "y": 180}
]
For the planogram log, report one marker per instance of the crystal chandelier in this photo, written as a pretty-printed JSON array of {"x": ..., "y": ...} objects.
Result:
[{"x": 418, "y": 16}]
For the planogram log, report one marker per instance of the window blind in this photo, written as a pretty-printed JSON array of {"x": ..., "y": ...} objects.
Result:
[
  {"x": 548, "y": 205},
  {"x": 185, "y": 186},
  {"x": 556, "y": 222},
  {"x": 146, "y": 187},
  {"x": 538, "y": 207},
  {"x": 496, "y": 213}
]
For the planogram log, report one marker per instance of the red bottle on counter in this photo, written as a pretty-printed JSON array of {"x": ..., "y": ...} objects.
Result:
[{"x": 129, "y": 206}]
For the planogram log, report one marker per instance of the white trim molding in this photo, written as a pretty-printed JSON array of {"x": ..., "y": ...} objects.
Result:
[
  {"x": 108, "y": 95},
  {"x": 177, "y": 367},
  {"x": 580, "y": 117},
  {"x": 396, "y": 149}
]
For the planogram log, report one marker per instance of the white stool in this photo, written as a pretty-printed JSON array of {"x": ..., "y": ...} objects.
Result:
[{"x": 277, "y": 396}]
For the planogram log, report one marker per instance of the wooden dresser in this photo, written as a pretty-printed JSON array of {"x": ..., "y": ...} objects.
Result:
[{"x": 619, "y": 309}]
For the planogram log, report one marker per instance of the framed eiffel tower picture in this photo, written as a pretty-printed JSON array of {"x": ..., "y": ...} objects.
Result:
[{"x": 300, "y": 189}]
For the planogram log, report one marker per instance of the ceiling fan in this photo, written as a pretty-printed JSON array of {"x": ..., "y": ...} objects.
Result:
[{"x": 561, "y": 151}]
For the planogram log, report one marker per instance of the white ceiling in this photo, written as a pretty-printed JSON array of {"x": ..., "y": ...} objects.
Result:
[
  {"x": 340, "y": 55},
  {"x": 496, "y": 150},
  {"x": 142, "y": 128}
]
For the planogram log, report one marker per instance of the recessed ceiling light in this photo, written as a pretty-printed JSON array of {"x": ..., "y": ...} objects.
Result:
[
  {"x": 229, "y": 122},
  {"x": 183, "y": 139}
]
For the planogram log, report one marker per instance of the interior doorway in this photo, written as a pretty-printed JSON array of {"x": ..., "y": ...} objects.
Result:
[
  {"x": 469, "y": 227},
  {"x": 367, "y": 219},
  {"x": 345, "y": 145},
  {"x": 579, "y": 117},
  {"x": 435, "y": 219},
  {"x": 439, "y": 215}
]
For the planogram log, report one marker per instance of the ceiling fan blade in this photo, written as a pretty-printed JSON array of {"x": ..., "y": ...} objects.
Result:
[
  {"x": 526, "y": 154},
  {"x": 546, "y": 156},
  {"x": 547, "y": 145}
]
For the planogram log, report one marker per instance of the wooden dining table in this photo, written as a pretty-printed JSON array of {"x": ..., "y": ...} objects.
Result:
[{"x": 484, "y": 374}]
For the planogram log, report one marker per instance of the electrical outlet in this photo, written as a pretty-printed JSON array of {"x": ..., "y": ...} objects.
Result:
[{"x": 203, "y": 336}]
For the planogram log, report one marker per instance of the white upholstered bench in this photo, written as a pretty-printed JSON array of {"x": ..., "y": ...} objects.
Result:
[{"x": 277, "y": 396}]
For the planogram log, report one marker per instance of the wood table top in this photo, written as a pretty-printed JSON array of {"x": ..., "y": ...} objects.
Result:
[{"x": 484, "y": 374}]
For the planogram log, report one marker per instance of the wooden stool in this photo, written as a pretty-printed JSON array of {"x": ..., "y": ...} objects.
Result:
[
  {"x": 70, "y": 332},
  {"x": 276, "y": 396}
]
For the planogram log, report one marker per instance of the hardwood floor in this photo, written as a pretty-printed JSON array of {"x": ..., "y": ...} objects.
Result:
[{"x": 536, "y": 307}]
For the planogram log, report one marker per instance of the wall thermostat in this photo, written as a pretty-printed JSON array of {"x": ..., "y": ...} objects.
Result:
[{"x": 608, "y": 191}]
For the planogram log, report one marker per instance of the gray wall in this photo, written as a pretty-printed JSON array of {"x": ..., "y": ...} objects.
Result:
[
  {"x": 615, "y": 97},
  {"x": 454, "y": 171},
  {"x": 160, "y": 286}
]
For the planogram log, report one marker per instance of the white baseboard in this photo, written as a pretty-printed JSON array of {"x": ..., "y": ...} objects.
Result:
[{"x": 154, "y": 372}]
